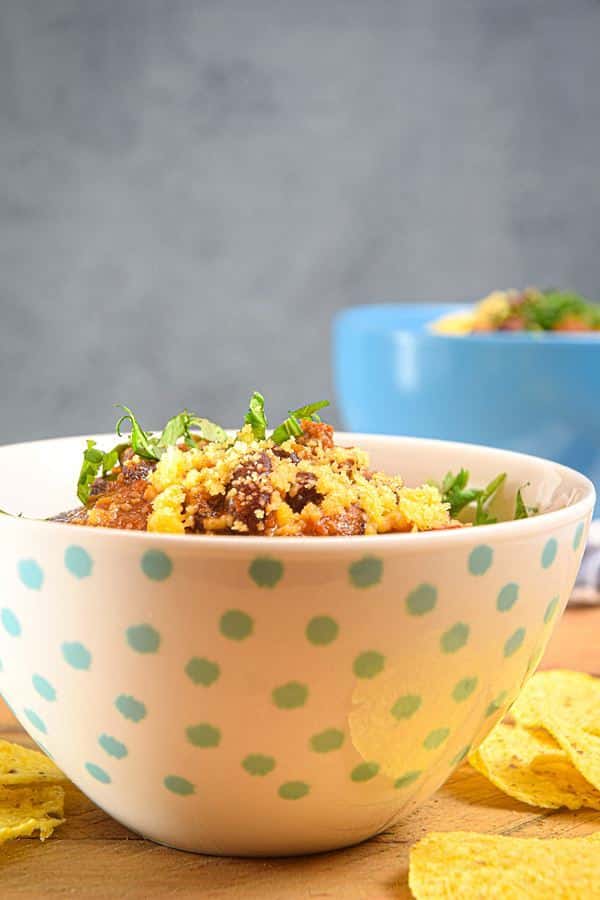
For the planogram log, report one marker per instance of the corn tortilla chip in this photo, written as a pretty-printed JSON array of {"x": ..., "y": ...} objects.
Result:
[
  {"x": 530, "y": 766},
  {"x": 460, "y": 864},
  {"x": 19, "y": 765},
  {"x": 26, "y": 809},
  {"x": 567, "y": 704}
]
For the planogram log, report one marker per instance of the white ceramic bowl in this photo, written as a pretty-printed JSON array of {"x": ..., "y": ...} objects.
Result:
[{"x": 258, "y": 696}]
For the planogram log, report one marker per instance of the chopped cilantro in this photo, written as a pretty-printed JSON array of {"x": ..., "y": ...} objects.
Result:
[
  {"x": 520, "y": 508},
  {"x": 291, "y": 426},
  {"x": 143, "y": 443},
  {"x": 180, "y": 427},
  {"x": 255, "y": 417},
  {"x": 95, "y": 460},
  {"x": 456, "y": 492},
  {"x": 545, "y": 310}
]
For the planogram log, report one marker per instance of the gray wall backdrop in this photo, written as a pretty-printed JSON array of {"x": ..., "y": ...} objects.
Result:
[{"x": 189, "y": 189}]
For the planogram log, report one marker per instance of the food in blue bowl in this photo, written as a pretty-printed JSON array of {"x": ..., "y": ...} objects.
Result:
[
  {"x": 530, "y": 390},
  {"x": 529, "y": 310}
]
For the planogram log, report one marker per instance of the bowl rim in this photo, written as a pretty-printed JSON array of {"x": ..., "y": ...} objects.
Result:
[
  {"x": 416, "y": 541},
  {"x": 363, "y": 318}
]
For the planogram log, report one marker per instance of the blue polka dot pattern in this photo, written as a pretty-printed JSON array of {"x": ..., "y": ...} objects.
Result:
[
  {"x": 464, "y": 688},
  {"x": 462, "y": 754},
  {"x": 549, "y": 553},
  {"x": 130, "y": 708},
  {"x": 98, "y": 773},
  {"x": 578, "y": 535},
  {"x": 78, "y": 561},
  {"x": 436, "y": 738},
  {"x": 178, "y": 785},
  {"x": 496, "y": 704},
  {"x": 366, "y": 572},
  {"x": 455, "y": 638},
  {"x": 156, "y": 565},
  {"x": 480, "y": 559},
  {"x": 422, "y": 600},
  {"x": 143, "y": 638},
  {"x": 551, "y": 609},
  {"x": 10, "y": 622},
  {"x": 76, "y": 655},
  {"x": 112, "y": 746},
  {"x": 44, "y": 688},
  {"x": 35, "y": 720},
  {"x": 265, "y": 572},
  {"x": 514, "y": 642},
  {"x": 507, "y": 597},
  {"x": 31, "y": 574}
]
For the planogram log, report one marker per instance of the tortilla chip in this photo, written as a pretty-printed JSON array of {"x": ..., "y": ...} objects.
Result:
[
  {"x": 460, "y": 864},
  {"x": 18, "y": 765},
  {"x": 24, "y": 810},
  {"x": 531, "y": 767},
  {"x": 567, "y": 704}
]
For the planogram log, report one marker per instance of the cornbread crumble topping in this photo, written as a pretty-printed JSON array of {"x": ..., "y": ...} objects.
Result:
[{"x": 306, "y": 485}]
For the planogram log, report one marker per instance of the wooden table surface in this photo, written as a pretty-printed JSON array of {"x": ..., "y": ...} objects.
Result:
[{"x": 93, "y": 856}]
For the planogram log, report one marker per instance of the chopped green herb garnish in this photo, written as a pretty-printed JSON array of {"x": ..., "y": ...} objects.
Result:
[
  {"x": 143, "y": 443},
  {"x": 520, "y": 508},
  {"x": 482, "y": 516},
  {"x": 291, "y": 426},
  {"x": 207, "y": 430},
  {"x": 545, "y": 310},
  {"x": 95, "y": 460},
  {"x": 255, "y": 417},
  {"x": 455, "y": 492},
  {"x": 180, "y": 427}
]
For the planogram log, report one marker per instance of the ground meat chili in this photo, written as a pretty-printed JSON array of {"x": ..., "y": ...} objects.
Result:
[{"x": 296, "y": 481}]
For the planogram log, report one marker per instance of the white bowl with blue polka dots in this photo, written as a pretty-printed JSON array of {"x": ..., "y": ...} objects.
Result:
[{"x": 258, "y": 696}]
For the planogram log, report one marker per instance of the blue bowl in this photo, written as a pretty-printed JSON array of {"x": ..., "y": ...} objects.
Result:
[{"x": 534, "y": 392}]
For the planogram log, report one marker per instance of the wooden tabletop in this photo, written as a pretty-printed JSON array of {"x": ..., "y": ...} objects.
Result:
[{"x": 93, "y": 856}]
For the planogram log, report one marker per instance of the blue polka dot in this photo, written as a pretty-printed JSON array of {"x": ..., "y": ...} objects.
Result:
[
  {"x": 507, "y": 597},
  {"x": 131, "y": 708},
  {"x": 35, "y": 720},
  {"x": 143, "y": 638},
  {"x": 455, "y": 638},
  {"x": 514, "y": 642},
  {"x": 76, "y": 655},
  {"x": 112, "y": 746},
  {"x": 78, "y": 561},
  {"x": 11, "y": 624},
  {"x": 577, "y": 536},
  {"x": 366, "y": 572},
  {"x": 462, "y": 754},
  {"x": 98, "y": 773},
  {"x": 30, "y": 574},
  {"x": 422, "y": 600},
  {"x": 480, "y": 559},
  {"x": 43, "y": 687},
  {"x": 156, "y": 565},
  {"x": 549, "y": 553},
  {"x": 178, "y": 785},
  {"x": 551, "y": 609}
]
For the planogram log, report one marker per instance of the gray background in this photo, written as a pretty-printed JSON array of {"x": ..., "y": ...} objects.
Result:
[{"x": 190, "y": 189}]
